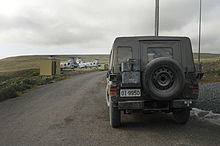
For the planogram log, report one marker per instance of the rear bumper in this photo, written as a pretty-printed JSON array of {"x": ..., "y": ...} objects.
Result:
[
  {"x": 183, "y": 103},
  {"x": 155, "y": 105}
]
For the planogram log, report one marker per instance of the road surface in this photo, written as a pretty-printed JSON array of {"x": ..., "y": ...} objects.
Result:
[{"x": 73, "y": 112}]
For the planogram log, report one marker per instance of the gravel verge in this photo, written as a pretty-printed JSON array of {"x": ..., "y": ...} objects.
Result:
[{"x": 209, "y": 97}]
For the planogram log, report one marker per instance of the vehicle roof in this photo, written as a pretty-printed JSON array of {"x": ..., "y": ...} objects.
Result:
[
  {"x": 153, "y": 37},
  {"x": 148, "y": 38}
]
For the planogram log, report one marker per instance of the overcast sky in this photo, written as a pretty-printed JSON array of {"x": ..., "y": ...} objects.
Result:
[{"x": 90, "y": 26}]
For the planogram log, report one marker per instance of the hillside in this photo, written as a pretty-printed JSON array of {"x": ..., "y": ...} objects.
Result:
[
  {"x": 211, "y": 62},
  {"x": 207, "y": 57},
  {"x": 33, "y": 62}
]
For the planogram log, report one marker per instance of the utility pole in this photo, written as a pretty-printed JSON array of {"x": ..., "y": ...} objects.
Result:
[
  {"x": 200, "y": 32},
  {"x": 157, "y": 17}
]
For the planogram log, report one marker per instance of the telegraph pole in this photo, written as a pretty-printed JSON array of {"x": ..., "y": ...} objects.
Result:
[
  {"x": 157, "y": 17},
  {"x": 200, "y": 32}
]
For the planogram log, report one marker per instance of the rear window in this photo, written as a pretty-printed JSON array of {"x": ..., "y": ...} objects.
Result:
[
  {"x": 124, "y": 53},
  {"x": 156, "y": 52}
]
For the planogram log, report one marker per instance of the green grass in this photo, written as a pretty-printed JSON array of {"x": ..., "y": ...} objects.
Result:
[
  {"x": 22, "y": 73},
  {"x": 207, "y": 58}
]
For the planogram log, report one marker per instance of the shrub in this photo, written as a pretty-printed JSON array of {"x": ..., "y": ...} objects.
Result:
[
  {"x": 6, "y": 93},
  {"x": 29, "y": 81},
  {"x": 218, "y": 72}
]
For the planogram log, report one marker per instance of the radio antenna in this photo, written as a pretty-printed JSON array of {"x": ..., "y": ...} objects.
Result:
[
  {"x": 157, "y": 17},
  {"x": 200, "y": 33}
]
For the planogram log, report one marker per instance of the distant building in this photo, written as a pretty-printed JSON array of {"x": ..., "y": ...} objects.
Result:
[{"x": 50, "y": 66}]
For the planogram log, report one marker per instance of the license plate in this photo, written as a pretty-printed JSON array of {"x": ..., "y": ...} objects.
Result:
[{"x": 130, "y": 92}]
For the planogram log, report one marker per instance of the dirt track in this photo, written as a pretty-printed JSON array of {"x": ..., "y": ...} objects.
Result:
[{"x": 74, "y": 112}]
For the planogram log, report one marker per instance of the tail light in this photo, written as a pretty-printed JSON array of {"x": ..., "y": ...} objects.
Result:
[
  {"x": 113, "y": 91},
  {"x": 195, "y": 89}
]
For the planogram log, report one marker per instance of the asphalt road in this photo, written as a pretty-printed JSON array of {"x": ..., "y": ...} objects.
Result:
[{"x": 73, "y": 112}]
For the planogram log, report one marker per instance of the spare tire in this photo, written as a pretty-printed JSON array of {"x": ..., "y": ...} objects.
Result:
[{"x": 163, "y": 78}]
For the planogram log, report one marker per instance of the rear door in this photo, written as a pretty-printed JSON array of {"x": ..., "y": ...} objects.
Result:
[{"x": 150, "y": 50}]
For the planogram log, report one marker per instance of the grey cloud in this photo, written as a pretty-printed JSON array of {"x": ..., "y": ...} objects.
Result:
[
  {"x": 175, "y": 14},
  {"x": 94, "y": 24},
  {"x": 42, "y": 30}
]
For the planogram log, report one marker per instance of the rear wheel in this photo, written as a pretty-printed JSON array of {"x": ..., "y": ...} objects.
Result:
[
  {"x": 181, "y": 116},
  {"x": 115, "y": 116}
]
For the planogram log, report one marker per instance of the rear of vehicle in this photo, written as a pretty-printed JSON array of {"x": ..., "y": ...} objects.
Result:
[{"x": 151, "y": 74}]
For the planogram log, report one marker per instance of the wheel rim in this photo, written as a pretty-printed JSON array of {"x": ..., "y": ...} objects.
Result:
[{"x": 163, "y": 78}]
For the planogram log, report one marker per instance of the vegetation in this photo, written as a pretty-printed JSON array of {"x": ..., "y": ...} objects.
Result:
[
  {"x": 218, "y": 72},
  {"x": 21, "y": 74},
  {"x": 207, "y": 57},
  {"x": 14, "y": 84},
  {"x": 211, "y": 67}
]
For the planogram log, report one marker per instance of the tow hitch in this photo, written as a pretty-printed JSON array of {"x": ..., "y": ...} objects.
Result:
[{"x": 182, "y": 103}]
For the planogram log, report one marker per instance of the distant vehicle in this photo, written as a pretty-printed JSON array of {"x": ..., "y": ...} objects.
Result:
[
  {"x": 70, "y": 64},
  {"x": 89, "y": 64},
  {"x": 79, "y": 60},
  {"x": 151, "y": 74}
]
